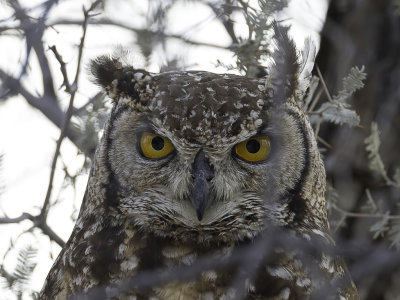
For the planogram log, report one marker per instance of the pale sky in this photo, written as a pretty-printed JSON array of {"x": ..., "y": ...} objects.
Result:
[{"x": 27, "y": 139}]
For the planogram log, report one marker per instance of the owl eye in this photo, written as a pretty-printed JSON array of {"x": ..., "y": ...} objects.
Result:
[
  {"x": 255, "y": 149},
  {"x": 155, "y": 146}
]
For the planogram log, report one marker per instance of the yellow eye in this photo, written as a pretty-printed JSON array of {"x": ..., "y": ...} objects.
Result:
[
  {"x": 155, "y": 146},
  {"x": 255, "y": 149}
]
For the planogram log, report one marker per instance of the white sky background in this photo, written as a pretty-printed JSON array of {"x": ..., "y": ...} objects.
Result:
[{"x": 27, "y": 138}]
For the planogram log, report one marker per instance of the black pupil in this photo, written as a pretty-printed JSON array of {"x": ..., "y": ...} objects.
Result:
[
  {"x": 157, "y": 143},
  {"x": 253, "y": 146}
]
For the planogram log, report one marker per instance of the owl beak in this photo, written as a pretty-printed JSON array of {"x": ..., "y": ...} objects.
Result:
[{"x": 202, "y": 173}]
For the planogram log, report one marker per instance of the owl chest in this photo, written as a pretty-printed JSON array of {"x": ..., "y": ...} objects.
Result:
[
  {"x": 183, "y": 291},
  {"x": 175, "y": 270},
  {"x": 186, "y": 278}
]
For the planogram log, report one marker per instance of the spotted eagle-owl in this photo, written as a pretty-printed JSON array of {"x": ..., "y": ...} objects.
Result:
[{"x": 195, "y": 164}]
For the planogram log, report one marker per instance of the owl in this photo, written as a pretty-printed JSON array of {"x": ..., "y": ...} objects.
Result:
[{"x": 192, "y": 166}]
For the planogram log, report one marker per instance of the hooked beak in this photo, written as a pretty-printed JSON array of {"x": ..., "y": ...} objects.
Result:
[{"x": 202, "y": 173}]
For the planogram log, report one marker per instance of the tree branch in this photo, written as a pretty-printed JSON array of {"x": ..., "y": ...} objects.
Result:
[
  {"x": 33, "y": 32},
  {"x": 73, "y": 89},
  {"x": 50, "y": 109},
  {"x": 223, "y": 14},
  {"x": 23, "y": 217},
  {"x": 364, "y": 215},
  {"x": 106, "y": 21},
  {"x": 38, "y": 223},
  {"x": 62, "y": 68}
]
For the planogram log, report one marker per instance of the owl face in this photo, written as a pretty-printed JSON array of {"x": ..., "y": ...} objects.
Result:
[{"x": 201, "y": 157}]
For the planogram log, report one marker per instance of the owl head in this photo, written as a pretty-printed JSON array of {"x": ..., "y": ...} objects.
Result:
[{"x": 208, "y": 158}]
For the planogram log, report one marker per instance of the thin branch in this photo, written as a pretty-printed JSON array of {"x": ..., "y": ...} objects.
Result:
[
  {"x": 317, "y": 127},
  {"x": 33, "y": 32},
  {"x": 324, "y": 84},
  {"x": 68, "y": 115},
  {"x": 98, "y": 97},
  {"x": 23, "y": 217},
  {"x": 105, "y": 21},
  {"x": 223, "y": 15},
  {"x": 46, "y": 229},
  {"x": 16, "y": 28},
  {"x": 13, "y": 86},
  {"x": 339, "y": 224},
  {"x": 390, "y": 182},
  {"x": 62, "y": 68},
  {"x": 315, "y": 101},
  {"x": 46, "y": 105},
  {"x": 364, "y": 215},
  {"x": 37, "y": 222},
  {"x": 323, "y": 142}
]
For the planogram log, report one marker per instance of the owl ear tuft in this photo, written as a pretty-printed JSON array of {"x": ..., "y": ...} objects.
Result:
[
  {"x": 116, "y": 79},
  {"x": 105, "y": 69},
  {"x": 283, "y": 74}
]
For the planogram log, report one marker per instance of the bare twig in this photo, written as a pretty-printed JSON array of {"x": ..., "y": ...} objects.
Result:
[
  {"x": 323, "y": 84},
  {"x": 315, "y": 101},
  {"x": 62, "y": 68},
  {"x": 23, "y": 217},
  {"x": 364, "y": 215},
  {"x": 37, "y": 221},
  {"x": 339, "y": 223},
  {"x": 162, "y": 35},
  {"x": 68, "y": 114},
  {"x": 223, "y": 14},
  {"x": 323, "y": 142},
  {"x": 33, "y": 32},
  {"x": 317, "y": 127},
  {"x": 390, "y": 182},
  {"x": 47, "y": 106},
  {"x": 98, "y": 97},
  {"x": 40, "y": 221},
  {"x": 46, "y": 229}
]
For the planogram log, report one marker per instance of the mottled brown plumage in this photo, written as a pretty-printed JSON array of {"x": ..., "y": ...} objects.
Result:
[{"x": 138, "y": 214}]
